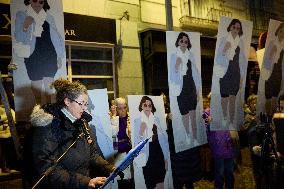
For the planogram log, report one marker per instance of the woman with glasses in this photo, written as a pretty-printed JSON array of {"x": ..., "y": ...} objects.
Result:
[
  {"x": 185, "y": 84},
  {"x": 230, "y": 59},
  {"x": 40, "y": 45},
  {"x": 121, "y": 133},
  {"x": 54, "y": 128},
  {"x": 154, "y": 157}
]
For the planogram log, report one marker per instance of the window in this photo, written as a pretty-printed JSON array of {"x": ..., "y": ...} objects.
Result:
[
  {"x": 92, "y": 64},
  {"x": 5, "y": 56}
]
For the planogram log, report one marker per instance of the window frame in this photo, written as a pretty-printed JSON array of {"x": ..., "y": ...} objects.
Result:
[{"x": 69, "y": 60}]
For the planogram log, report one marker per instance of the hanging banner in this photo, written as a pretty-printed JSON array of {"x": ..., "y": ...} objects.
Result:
[
  {"x": 100, "y": 124},
  {"x": 37, "y": 31},
  {"x": 229, "y": 73},
  {"x": 185, "y": 89},
  {"x": 152, "y": 167},
  {"x": 270, "y": 85}
]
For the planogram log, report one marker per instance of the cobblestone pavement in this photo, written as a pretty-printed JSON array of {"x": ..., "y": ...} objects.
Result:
[{"x": 243, "y": 179}]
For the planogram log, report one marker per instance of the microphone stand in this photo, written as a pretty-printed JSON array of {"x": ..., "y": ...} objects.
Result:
[{"x": 50, "y": 169}]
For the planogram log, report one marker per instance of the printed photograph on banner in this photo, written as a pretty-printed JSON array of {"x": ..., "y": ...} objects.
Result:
[
  {"x": 271, "y": 85},
  {"x": 99, "y": 109},
  {"x": 185, "y": 89},
  {"x": 37, "y": 30},
  {"x": 229, "y": 73},
  {"x": 152, "y": 167}
]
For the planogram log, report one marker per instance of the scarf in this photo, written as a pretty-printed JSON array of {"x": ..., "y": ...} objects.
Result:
[
  {"x": 279, "y": 47},
  {"x": 184, "y": 56},
  {"x": 234, "y": 44},
  {"x": 149, "y": 121},
  {"x": 39, "y": 19},
  {"x": 68, "y": 115}
]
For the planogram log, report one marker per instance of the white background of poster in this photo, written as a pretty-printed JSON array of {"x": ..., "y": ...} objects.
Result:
[
  {"x": 133, "y": 104},
  {"x": 98, "y": 99},
  {"x": 216, "y": 109},
  {"x": 24, "y": 98},
  {"x": 177, "y": 124},
  {"x": 273, "y": 25}
]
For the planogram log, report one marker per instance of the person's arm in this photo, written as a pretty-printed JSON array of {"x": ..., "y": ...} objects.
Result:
[
  {"x": 163, "y": 140},
  {"x": 44, "y": 144},
  {"x": 96, "y": 160},
  {"x": 221, "y": 61}
]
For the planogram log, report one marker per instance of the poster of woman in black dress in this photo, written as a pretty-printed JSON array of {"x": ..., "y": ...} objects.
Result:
[
  {"x": 271, "y": 84},
  {"x": 152, "y": 167},
  {"x": 185, "y": 88},
  {"x": 38, "y": 49},
  {"x": 229, "y": 74}
]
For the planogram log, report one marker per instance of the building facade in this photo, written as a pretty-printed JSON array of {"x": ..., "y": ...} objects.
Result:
[{"x": 135, "y": 57}]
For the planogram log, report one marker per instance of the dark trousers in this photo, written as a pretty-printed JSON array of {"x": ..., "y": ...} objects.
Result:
[
  {"x": 224, "y": 173},
  {"x": 179, "y": 185}
]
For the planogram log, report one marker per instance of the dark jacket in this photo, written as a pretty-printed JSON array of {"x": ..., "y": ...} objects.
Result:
[{"x": 51, "y": 134}]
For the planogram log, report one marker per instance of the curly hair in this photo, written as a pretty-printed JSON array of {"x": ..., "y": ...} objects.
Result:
[
  {"x": 67, "y": 89},
  {"x": 180, "y": 36},
  {"x": 251, "y": 98},
  {"x": 143, "y": 100}
]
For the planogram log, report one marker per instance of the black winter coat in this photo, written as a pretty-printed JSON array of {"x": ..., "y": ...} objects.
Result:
[{"x": 51, "y": 134}]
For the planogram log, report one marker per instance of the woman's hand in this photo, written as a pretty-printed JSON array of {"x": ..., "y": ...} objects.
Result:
[
  {"x": 96, "y": 181},
  {"x": 28, "y": 21},
  {"x": 177, "y": 65},
  {"x": 226, "y": 47},
  {"x": 166, "y": 165},
  {"x": 272, "y": 53},
  {"x": 142, "y": 128}
]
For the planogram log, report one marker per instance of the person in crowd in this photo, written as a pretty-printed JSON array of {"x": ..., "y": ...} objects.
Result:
[
  {"x": 223, "y": 150},
  {"x": 207, "y": 162},
  {"x": 185, "y": 76},
  {"x": 120, "y": 125},
  {"x": 121, "y": 133},
  {"x": 230, "y": 58},
  {"x": 273, "y": 70},
  {"x": 278, "y": 122},
  {"x": 39, "y": 43},
  {"x": 250, "y": 119},
  {"x": 6, "y": 141},
  {"x": 54, "y": 128},
  {"x": 155, "y": 152},
  {"x": 270, "y": 135}
]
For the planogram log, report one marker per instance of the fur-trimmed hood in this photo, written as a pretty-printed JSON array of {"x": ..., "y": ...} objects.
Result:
[{"x": 40, "y": 118}]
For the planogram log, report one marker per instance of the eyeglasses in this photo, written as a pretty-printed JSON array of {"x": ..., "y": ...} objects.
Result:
[
  {"x": 236, "y": 28},
  {"x": 183, "y": 41},
  {"x": 149, "y": 105},
  {"x": 39, "y": 1},
  {"x": 81, "y": 104}
]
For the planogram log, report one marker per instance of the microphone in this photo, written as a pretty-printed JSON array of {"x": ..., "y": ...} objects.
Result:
[
  {"x": 83, "y": 126},
  {"x": 86, "y": 130}
]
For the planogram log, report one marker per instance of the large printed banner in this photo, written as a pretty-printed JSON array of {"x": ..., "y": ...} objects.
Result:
[
  {"x": 37, "y": 31},
  {"x": 229, "y": 73},
  {"x": 152, "y": 167},
  {"x": 101, "y": 125},
  {"x": 270, "y": 85},
  {"x": 185, "y": 89}
]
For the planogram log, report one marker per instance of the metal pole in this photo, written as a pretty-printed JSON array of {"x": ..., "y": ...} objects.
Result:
[{"x": 169, "y": 15}]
